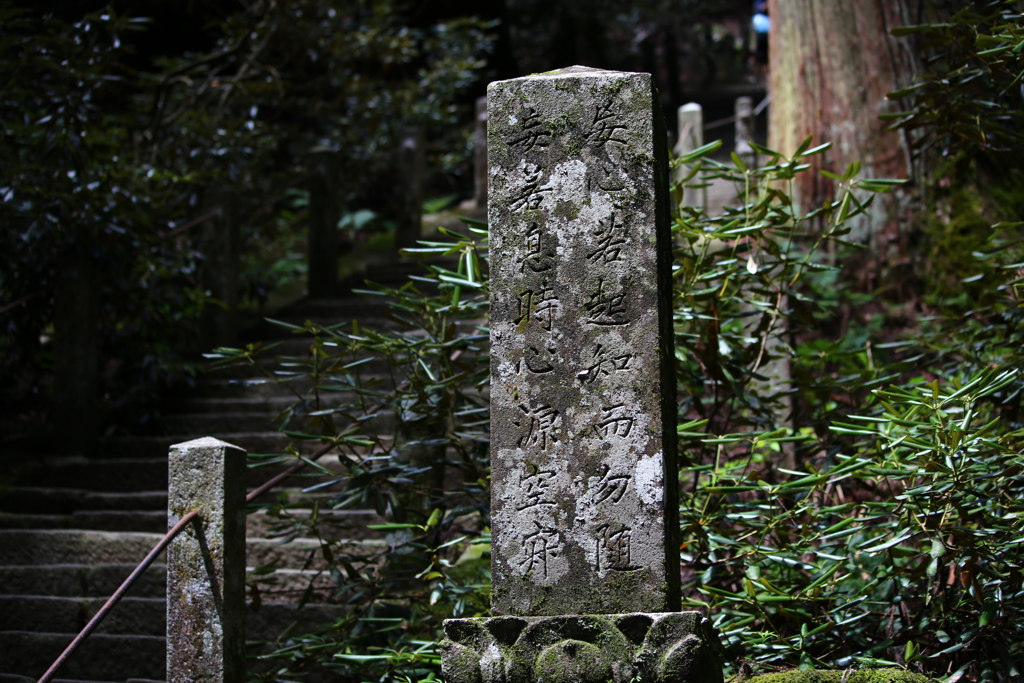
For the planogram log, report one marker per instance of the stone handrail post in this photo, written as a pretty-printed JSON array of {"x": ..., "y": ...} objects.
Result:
[
  {"x": 206, "y": 564},
  {"x": 324, "y": 213},
  {"x": 77, "y": 349},
  {"x": 221, "y": 245},
  {"x": 411, "y": 162}
]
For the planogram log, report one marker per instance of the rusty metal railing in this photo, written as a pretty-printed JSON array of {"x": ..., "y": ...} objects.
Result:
[
  {"x": 118, "y": 594},
  {"x": 186, "y": 519}
]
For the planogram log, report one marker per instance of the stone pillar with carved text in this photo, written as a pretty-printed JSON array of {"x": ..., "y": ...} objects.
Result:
[{"x": 585, "y": 560}]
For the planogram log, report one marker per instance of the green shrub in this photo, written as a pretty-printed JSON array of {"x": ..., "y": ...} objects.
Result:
[{"x": 858, "y": 509}]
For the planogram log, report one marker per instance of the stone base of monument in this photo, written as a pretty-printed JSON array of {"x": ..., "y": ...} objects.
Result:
[{"x": 666, "y": 647}]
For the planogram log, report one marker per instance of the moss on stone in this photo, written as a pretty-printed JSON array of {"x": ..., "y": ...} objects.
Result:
[{"x": 861, "y": 676}]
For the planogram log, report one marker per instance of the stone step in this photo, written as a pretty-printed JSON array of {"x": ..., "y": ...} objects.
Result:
[
  {"x": 375, "y": 318},
  {"x": 107, "y": 475},
  {"x": 260, "y": 422},
  {"x": 39, "y": 499},
  {"x": 102, "y": 657},
  {"x": 101, "y": 580},
  {"x": 99, "y": 520},
  {"x": 156, "y": 446},
  {"x": 221, "y": 385},
  {"x": 268, "y": 405},
  {"x": 336, "y": 524},
  {"x": 15, "y": 678},
  {"x": 212, "y": 422},
  {"x": 109, "y": 479},
  {"x": 57, "y": 546},
  {"x": 81, "y": 580},
  {"x": 146, "y": 616},
  {"x": 218, "y": 386},
  {"x": 23, "y": 547},
  {"x": 301, "y": 553}
]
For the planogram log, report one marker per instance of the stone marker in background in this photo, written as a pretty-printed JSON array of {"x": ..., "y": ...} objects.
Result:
[
  {"x": 745, "y": 130},
  {"x": 221, "y": 245},
  {"x": 585, "y": 561},
  {"x": 480, "y": 155},
  {"x": 206, "y": 564},
  {"x": 324, "y": 213},
  {"x": 691, "y": 136},
  {"x": 409, "y": 189},
  {"x": 76, "y": 348}
]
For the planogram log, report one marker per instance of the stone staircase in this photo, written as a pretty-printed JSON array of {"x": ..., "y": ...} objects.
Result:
[{"x": 73, "y": 527}]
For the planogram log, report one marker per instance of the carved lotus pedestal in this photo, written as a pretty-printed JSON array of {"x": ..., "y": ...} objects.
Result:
[{"x": 666, "y": 647}]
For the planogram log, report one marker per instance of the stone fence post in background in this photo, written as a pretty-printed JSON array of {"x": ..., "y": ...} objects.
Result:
[
  {"x": 324, "y": 213},
  {"x": 691, "y": 136},
  {"x": 411, "y": 162},
  {"x": 220, "y": 241},
  {"x": 745, "y": 130},
  {"x": 585, "y": 554},
  {"x": 206, "y": 564},
  {"x": 76, "y": 349},
  {"x": 480, "y": 156}
]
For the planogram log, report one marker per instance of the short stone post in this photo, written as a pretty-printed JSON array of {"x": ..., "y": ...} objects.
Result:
[
  {"x": 221, "y": 245},
  {"x": 409, "y": 200},
  {"x": 585, "y": 555},
  {"x": 691, "y": 136},
  {"x": 324, "y": 213},
  {"x": 206, "y": 564},
  {"x": 480, "y": 155},
  {"x": 745, "y": 130},
  {"x": 76, "y": 350}
]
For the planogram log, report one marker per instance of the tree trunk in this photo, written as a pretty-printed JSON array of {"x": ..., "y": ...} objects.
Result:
[{"x": 831, "y": 65}]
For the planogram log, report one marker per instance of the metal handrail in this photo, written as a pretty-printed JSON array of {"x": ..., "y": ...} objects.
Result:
[
  {"x": 187, "y": 519},
  {"x": 118, "y": 594}
]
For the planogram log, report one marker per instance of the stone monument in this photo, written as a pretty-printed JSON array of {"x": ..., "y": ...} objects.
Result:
[{"x": 585, "y": 560}]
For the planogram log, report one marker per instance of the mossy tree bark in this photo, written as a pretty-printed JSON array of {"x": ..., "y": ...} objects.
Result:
[{"x": 831, "y": 65}]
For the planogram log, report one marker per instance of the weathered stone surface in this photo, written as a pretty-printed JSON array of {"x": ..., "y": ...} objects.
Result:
[
  {"x": 206, "y": 564},
  {"x": 614, "y": 648},
  {"x": 582, "y": 400}
]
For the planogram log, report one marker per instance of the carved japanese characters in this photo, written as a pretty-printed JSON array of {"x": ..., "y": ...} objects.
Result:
[{"x": 584, "y": 505}]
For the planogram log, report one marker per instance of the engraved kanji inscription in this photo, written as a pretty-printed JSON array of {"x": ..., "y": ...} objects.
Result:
[
  {"x": 615, "y": 421},
  {"x": 583, "y": 455},
  {"x": 606, "y": 125},
  {"x": 540, "y": 255},
  {"x": 537, "y": 305},
  {"x": 541, "y": 425},
  {"x": 610, "y": 486},
  {"x": 536, "y": 489},
  {"x": 541, "y": 544},
  {"x": 538, "y": 360},
  {"x": 530, "y": 194},
  {"x": 613, "y": 552},
  {"x": 611, "y": 236},
  {"x": 606, "y": 307},
  {"x": 604, "y": 363},
  {"x": 532, "y": 133},
  {"x": 609, "y": 178}
]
